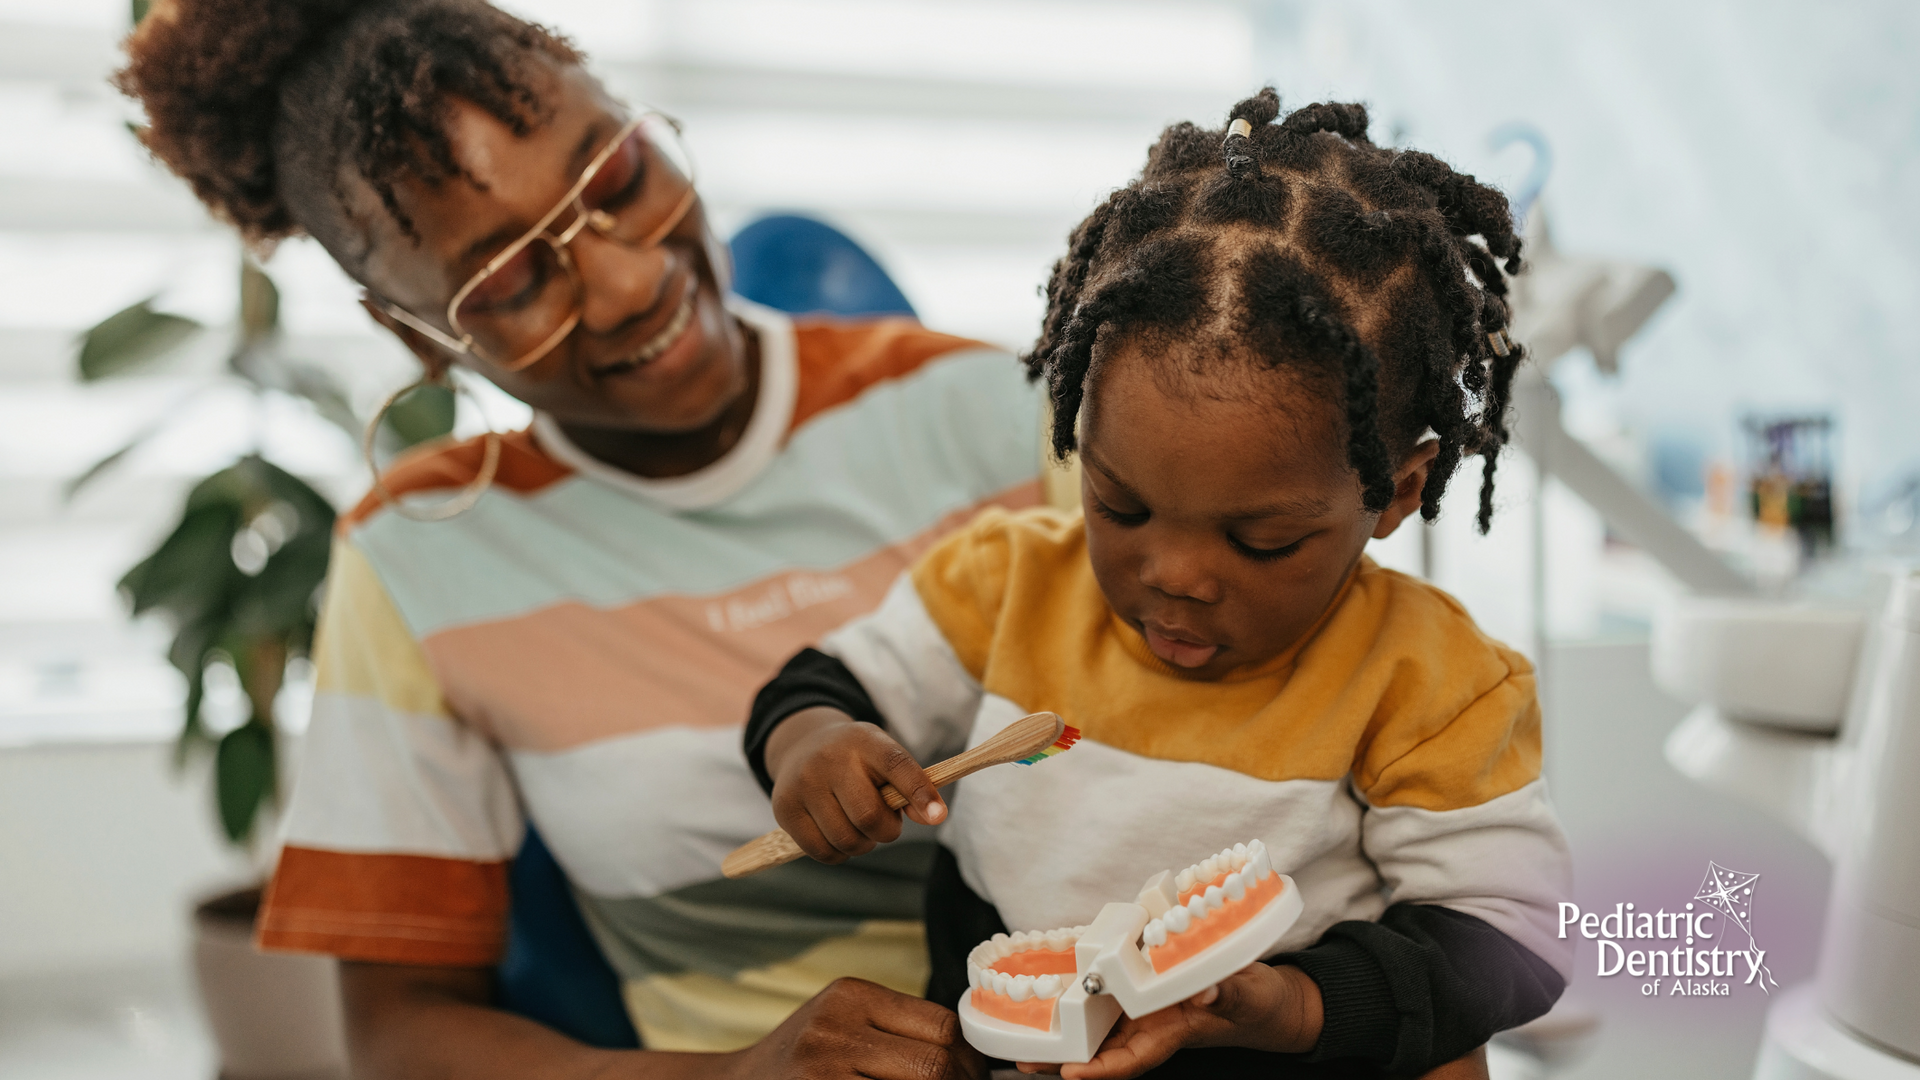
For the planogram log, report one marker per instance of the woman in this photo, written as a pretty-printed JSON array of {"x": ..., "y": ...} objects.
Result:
[{"x": 706, "y": 487}]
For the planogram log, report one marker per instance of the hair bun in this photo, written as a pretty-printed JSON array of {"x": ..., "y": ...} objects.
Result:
[
  {"x": 1259, "y": 110},
  {"x": 209, "y": 74}
]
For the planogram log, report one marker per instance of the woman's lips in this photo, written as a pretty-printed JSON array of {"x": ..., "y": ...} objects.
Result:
[
  {"x": 1177, "y": 647},
  {"x": 669, "y": 335}
]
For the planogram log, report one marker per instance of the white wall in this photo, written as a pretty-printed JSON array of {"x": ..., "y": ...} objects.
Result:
[{"x": 102, "y": 852}]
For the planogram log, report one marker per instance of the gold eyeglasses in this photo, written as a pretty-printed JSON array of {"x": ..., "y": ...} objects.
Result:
[{"x": 527, "y": 299}]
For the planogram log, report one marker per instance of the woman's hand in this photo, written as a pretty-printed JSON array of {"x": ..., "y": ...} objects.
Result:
[
  {"x": 406, "y": 1021},
  {"x": 1259, "y": 1007},
  {"x": 855, "y": 1028},
  {"x": 827, "y": 770}
]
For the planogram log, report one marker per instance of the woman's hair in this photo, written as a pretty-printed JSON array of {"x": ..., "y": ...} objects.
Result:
[
  {"x": 269, "y": 108},
  {"x": 1379, "y": 274}
]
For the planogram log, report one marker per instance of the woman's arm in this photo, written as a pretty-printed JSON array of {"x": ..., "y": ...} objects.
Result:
[{"x": 424, "y": 1023}]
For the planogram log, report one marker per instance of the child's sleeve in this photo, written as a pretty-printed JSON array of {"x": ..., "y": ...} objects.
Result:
[
  {"x": 892, "y": 668},
  {"x": 1458, "y": 824},
  {"x": 403, "y": 818},
  {"x": 914, "y": 664}
]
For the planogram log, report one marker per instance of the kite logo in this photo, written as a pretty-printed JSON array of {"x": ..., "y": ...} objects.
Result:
[
  {"x": 1692, "y": 952},
  {"x": 1731, "y": 893}
]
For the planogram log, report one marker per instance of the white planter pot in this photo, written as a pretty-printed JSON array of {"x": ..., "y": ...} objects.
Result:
[{"x": 275, "y": 1016}]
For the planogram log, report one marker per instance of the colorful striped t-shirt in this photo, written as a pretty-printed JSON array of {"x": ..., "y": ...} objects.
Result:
[{"x": 580, "y": 650}]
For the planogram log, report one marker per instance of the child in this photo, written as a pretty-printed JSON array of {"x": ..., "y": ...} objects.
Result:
[{"x": 1277, "y": 343}]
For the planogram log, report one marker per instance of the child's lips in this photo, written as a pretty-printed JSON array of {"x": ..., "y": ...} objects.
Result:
[{"x": 1177, "y": 647}]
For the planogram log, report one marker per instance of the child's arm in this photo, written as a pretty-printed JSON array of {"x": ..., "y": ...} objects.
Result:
[
  {"x": 1414, "y": 991},
  {"x": 827, "y": 769},
  {"x": 837, "y": 722}
]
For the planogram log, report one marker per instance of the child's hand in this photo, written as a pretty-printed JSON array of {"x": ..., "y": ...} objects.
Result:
[
  {"x": 1260, "y": 1007},
  {"x": 827, "y": 770}
]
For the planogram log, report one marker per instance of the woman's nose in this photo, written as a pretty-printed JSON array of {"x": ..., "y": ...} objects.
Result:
[
  {"x": 618, "y": 283},
  {"x": 1179, "y": 572}
]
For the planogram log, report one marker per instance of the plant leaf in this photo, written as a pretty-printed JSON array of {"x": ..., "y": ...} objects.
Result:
[
  {"x": 131, "y": 338},
  {"x": 243, "y": 770},
  {"x": 426, "y": 413},
  {"x": 278, "y": 602},
  {"x": 160, "y": 423},
  {"x": 316, "y": 513},
  {"x": 327, "y": 396},
  {"x": 191, "y": 574},
  {"x": 193, "y": 732},
  {"x": 93, "y": 472}
]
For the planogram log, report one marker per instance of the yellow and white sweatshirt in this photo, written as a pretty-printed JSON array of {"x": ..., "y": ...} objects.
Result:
[{"x": 1390, "y": 757}]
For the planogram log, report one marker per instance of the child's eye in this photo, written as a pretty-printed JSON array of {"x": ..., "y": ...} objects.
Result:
[
  {"x": 1115, "y": 516},
  {"x": 1258, "y": 554}
]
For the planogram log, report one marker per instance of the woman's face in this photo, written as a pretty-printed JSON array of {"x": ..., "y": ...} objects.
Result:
[
  {"x": 1223, "y": 518},
  {"x": 629, "y": 364}
]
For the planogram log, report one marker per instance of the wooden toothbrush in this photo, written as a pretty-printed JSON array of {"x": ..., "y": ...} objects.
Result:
[{"x": 1027, "y": 740}]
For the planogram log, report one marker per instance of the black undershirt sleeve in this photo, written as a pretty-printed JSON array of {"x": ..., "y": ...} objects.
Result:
[
  {"x": 1417, "y": 989},
  {"x": 810, "y": 679}
]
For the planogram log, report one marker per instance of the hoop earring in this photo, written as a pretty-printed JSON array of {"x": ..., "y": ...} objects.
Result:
[{"x": 469, "y": 495}]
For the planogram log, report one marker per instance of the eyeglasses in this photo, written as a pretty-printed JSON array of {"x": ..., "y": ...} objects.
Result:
[{"x": 527, "y": 299}]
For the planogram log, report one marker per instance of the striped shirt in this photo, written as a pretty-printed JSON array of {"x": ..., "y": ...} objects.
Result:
[{"x": 580, "y": 650}]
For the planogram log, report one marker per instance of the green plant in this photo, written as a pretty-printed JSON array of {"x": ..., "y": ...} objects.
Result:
[{"x": 239, "y": 576}]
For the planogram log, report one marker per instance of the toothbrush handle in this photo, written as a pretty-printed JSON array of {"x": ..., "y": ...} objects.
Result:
[
  {"x": 1026, "y": 736},
  {"x": 764, "y": 853},
  {"x": 777, "y": 847},
  {"x": 942, "y": 774}
]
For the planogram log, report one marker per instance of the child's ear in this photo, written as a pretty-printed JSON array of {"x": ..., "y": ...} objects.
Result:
[{"x": 1407, "y": 486}]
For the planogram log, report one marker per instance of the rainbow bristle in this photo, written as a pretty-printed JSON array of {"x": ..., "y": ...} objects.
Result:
[{"x": 1068, "y": 737}]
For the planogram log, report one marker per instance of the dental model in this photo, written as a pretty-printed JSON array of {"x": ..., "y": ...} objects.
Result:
[{"x": 1052, "y": 996}]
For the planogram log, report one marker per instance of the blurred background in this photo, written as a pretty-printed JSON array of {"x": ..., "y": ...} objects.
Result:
[{"x": 1765, "y": 156}]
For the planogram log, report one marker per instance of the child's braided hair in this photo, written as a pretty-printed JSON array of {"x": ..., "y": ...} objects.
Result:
[{"x": 1382, "y": 271}]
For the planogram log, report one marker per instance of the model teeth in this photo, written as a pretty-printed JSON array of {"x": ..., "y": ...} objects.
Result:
[
  {"x": 1208, "y": 885},
  {"x": 1226, "y": 862},
  {"x": 980, "y": 962}
]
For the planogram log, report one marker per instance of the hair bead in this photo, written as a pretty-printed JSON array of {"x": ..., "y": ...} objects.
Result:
[{"x": 1238, "y": 147}]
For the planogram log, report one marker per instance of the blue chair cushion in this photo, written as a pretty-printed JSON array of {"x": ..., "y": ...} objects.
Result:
[
  {"x": 799, "y": 265},
  {"x": 554, "y": 971}
]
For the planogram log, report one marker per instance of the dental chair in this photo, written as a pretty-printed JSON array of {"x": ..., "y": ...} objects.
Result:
[{"x": 553, "y": 971}]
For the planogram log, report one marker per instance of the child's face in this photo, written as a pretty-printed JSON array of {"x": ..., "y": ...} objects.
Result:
[{"x": 1222, "y": 516}]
